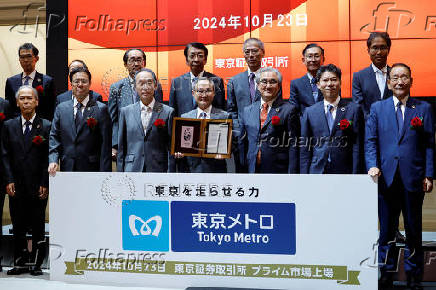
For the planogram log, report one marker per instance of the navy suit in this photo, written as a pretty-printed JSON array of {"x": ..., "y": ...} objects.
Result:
[
  {"x": 47, "y": 98},
  {"x": 85, "y": 148},
  {"x": 68, "y": 95},
  {"x": 365, "y": 90},
  {"x": 140, "y": 151},
  {"x": 207, "y": 165},
  {"x": 4, "y": 109},
  {"x": 181, "y": 98},
  {"x": 121, "y": 94},
  {"x": 301, "y": 94},
  {"x": 279, "y": 151},
  {"x": 344, "y": 147},
  {"x": 25, "y": 165},
  {"x": 405, "y": 158}
]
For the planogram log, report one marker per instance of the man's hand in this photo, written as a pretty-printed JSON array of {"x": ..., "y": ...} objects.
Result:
[
  {"x": 427, "y": 184},
  {"x": 178, "y": 155},
  {"x": 10, "y": 189},
  {"x": 114, "y": 154},
  {"x": 52, "y": 168},
  {"x": 374, "y": 172},
  {"x": 219, "y": 156},
  {"x": 43, "y": 192}
]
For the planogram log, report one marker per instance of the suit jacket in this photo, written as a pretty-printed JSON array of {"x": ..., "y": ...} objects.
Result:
[
  {"x": 4, "y": 109},
  {"x": 139, "y": 150},
  {"x": 279, "y": 151},
  {"x": 47, "y": 98},
  {"x": 301, "y": 94},
  {"x": 121, "y": 94},
  {"x": 25, "y": 163},
  {"x": 181, "y": 98},
  {"x": 345, "y": 147},
  {"x": 85, "y": 148},
  {"x": 207, "y": 165},
  {"x": 410, "y": 151},
  {"x": 68, "y": 95},
  {"x": 365, "y": 90}
]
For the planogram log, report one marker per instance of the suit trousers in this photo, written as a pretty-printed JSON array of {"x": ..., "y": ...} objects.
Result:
[
  {"x": 392, "y": 201},
  {"x": 28, "y": 211}
]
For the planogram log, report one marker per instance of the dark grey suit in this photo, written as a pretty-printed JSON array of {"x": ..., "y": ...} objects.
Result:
[
  {"x": 84, "y": 149},
  {"x": 140, "y": 151},
  {"x": 121, "y": 94},
  {"x": 207, "y": 165}
]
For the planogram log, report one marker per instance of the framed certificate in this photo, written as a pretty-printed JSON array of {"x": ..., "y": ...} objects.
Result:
[{"x": 207, "y": 138}]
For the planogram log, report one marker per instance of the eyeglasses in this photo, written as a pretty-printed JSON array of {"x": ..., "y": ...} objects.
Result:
[
  {"x": 78, "y": 81},
  {"x": 204, "y": 92},
  {"x": 271, "y": 82},
  {"x": 404, "y": 79},
  {"x": 135, "y": 60},
  {"x": 313, "y": 56},
  {"x": 148, "y": 82}
]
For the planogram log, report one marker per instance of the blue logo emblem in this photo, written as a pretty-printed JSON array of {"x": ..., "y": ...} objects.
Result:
[{"x": 145, "y": 225}]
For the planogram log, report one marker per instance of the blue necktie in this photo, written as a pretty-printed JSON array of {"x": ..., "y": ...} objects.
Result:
[
  {"x": 79, "y": 115},
  {"x": 252, "y": 87},
  {"x": 194, "y": 102},
  {"x": 329, "y": 116},
  {"x": 314, "y": 89},
  {"x": 400, "y": 120},
  {"x": 203, "y": 115},
  {"x": 26, "y": 81}
]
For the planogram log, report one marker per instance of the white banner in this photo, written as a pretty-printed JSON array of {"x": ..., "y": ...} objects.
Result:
[{"x": 215, "y": 230}]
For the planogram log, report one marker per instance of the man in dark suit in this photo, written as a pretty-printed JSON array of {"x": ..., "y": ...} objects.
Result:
[
  {"x": 269, "y": 129},
  {"x": 332, "y": 130},
  {"x": 80, "y": 136},
  {"x": 369, "y": 84},
  {"x": 304, "y": 91},
  {"x": 181, "y": 98},
  {"x": 68, "y": 95},
  {"x": 203, "y": 90},
  {"x": 399, "y": 149},
  {"x": 123, "y": 92},
  {"x": 24, "y": 151},
  {"x": 144, "y": 136},
  {"x": 28, "y": 55},
  {"x": 4, "y": 109}
]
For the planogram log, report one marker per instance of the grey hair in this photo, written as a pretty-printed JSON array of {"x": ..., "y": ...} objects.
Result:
[
  {"x": 149, "y": 71},
  {"x": 268, "y": 69},
  {"x": 35, "y": 92},
  {"x": 195, "y": 83},
  {"x": 257, "y": 40}
]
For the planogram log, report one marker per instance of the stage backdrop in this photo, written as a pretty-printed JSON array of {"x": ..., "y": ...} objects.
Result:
[{"x": 100, "y": 31}]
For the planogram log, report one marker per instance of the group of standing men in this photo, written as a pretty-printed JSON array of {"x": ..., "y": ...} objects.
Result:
[{"x": 317, "y": 131}]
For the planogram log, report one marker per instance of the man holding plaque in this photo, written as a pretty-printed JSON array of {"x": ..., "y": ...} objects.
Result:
[
  {"x": 144, "y": 134},
  {"x": 269, "y": 129},
  {"x": 203, "y": 91}
]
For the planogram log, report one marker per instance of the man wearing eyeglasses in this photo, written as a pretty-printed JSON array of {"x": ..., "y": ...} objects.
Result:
[
  {"x": 369, "y": 84},
  {"x": 28, "y": 56},
  {"x": 269, "y": 129},
  {"x": 304, "y": 91},
  {"x": 123, "y": 92},
  {"x": 203, "y": 90},
  {"x": 399, "y": 151},
  {"x": 80, "y": 135}
]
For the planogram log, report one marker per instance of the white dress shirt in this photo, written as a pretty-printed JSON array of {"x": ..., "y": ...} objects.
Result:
[
  {"x": 207, "y": 111},
  {"x": 146, "y": 112},
  {"x": 403, "y": 104},
  {"x": 31, "y": 78},
  {"x": 84, "y": 103},
  {"x": 334, "y": 104},
  {"x": 380, "y": 76},
  {"x": 23, "y": 122}
]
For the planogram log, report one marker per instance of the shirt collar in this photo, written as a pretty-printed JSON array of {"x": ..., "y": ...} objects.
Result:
[
  {"x": 404, "y": 101},
  {"x": 310, "y": 76},
  {"x": 249, "y": 71},
  {"x": 335, "y": 103},
  {"x": 384, "y": 70},
  {"x": 192, "y": 75},
  {"x": 208, "y": 110},
  {"x": 84, "y": 102},
  {"x": 269, "y": 103},
  {"x": 144, "y": 107},
  {"x": 31, "y": 75},
  {"x": 23, "y": 121}
]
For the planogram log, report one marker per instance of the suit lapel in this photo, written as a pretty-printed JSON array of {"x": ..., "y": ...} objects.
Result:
[
  {"x": 137, "y": 117},
  {"x": 386, "y": 91},
  {"x": 36, "y": 129},
  {"x": 38, "y": 81},
  {"x": 69, "y": 115},
  {"x": 255, "y": 115},
  {"x": 18, "y": 82},
  {"x": 274, "y": 111},
  {"x": 408, "y": 113},
  {"x": 19, "y": 128},
  {"x": 340, "y": 112},
  {"x": 88, "y": 112},
  {"x": 319, "y": 111},
  {"x": 156, "y": 112},
  {"x": 373, "y": 82}
]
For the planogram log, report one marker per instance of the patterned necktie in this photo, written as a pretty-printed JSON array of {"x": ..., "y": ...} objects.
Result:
[
  {"x": 400, "y": 120},
  {"x": 263, "y": 114},
  {"x": 252, "y": 86},
  {"x": 27, "y": 130},
  {"x": 314, "y": 89},
  {"x": 26, "y": 81},
  {"x": 79, "y": 115},
  {"x": 203, "y": 115},
  {"x": 194, "y": 102},
  {"x": 329, "y": 116}
]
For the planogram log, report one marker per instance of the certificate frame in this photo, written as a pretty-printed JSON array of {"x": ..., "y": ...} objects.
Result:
[{"x": 197, "y": 131}]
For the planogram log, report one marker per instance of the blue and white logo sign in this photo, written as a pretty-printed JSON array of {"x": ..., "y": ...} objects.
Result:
[
  {"x": 145, "y": 225},
  {"x": 233, "y": 227}
]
